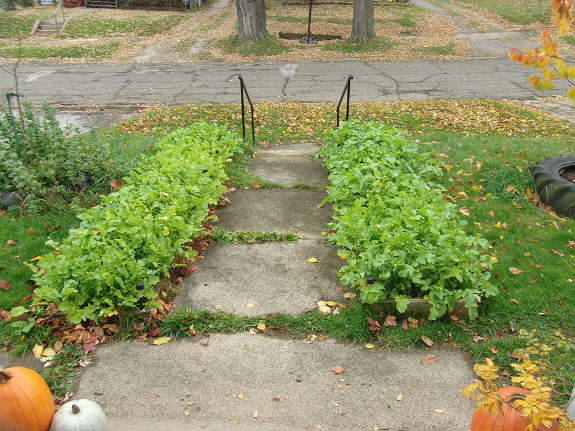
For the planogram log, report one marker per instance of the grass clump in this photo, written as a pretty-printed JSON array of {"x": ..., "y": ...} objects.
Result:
[{"x": 265, "y": 47}]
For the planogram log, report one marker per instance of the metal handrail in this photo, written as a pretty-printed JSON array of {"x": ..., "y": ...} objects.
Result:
[
  {"x": 347, "y": 90},
  {"x": 59, "y": 8},
  {"x": 243, "y": 91}
]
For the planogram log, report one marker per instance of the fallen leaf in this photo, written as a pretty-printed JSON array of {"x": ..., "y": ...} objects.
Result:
[
  {"x": 404, "y": 325},
  {"x": 161, "y": 340},
  {"x": 465, "y": 211},
  {"x": 276, "y": 399},
  {"x": 399, "y": 397},
  {"x": 527, "y": 254},
  {"x": 234, "y": 420},
  {"x": 256, "y": 414},
  {"x": 426, "y": 340},
  {"x": 438, "y": 411},
  {"x": 250, "y": 305},
  {"x": 494, "y": 350},
  {"x": 30, "y": 231},
  {"x": 515, "y": 271},
  {"x": 37, "y": 351},
  {"x": 116, "y": 184},
  {"x": 186, "y": 413},
  {"x": 479, "y": 339},
  {"x": 312, "y": 260},
  {"x": 36, "y": 258},
  {"x": 558, "y": 252},
  {"x": 256, "y": 185},
  {"x": 374, "y": 325},
  {"x": 12, "y": 242},
  {"x": 5, "y": 285},
  {"x": 390, "y": 321},
  {"x": 429, "y": 359},
  {"x": 413, "y": 323},
  {"x": 261, "y": 326},
  {"x": 515, "y": 301},
  {"x": 338, "y": 370},
  {"x": 369, "y": 346},
  {"x": 240, "y": 396}
]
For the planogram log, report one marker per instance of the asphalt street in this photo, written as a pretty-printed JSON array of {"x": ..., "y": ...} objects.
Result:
[{"x": 311, "y": 81}]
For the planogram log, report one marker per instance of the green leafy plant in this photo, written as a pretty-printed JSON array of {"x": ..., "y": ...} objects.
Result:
[
  {"x": 134, "y": 235},
  {"x": 41, "y": 156},
  {"x": 399, "y": 237}
]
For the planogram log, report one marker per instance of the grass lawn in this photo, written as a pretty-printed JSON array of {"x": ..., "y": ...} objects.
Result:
[
  {"x": 516, "y": 11},
  {"x": 486, "y": 149},
  {"x": 108, "y": 23},
  {"x": 19, "y": 22}
]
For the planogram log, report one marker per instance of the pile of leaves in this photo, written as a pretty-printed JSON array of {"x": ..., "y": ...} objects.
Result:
[
  {"x": 135, "y": 234},
  {"x": 398, "y": 235}
]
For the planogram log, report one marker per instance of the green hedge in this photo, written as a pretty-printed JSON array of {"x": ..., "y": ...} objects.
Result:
[
  {"x": 399, "y": 237},
  {"x": 134, "y": 235}
]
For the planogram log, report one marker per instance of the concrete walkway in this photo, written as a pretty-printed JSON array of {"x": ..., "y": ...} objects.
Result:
[{"x": 258, "y": 382}]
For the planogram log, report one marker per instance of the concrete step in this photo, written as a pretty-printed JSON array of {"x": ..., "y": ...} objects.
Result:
[
  {"x": 276, "y": 210},
  {"x": 289, "y": 383},
  {"x": 264, "y": 278}
]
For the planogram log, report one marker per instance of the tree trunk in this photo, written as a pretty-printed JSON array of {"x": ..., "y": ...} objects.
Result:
[
  {"x": 251, "y": 20},
  {"x": 363, "y": 27}
]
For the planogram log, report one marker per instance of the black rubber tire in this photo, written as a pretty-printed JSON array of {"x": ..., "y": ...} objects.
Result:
[
  {"x": 553, "y": 190},
  {"x": 9, "y": 199}
]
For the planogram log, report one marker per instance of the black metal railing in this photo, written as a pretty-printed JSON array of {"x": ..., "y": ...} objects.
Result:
[
  {"x": 243, "y": 91},
  {"x": 347, "y": 90}
]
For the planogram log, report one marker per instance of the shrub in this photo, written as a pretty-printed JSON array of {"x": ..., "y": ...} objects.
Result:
[
  {"x": 49, "y": 156},
  {"x": 134, "y": 235},
  {"x": 399, "y": 237}
]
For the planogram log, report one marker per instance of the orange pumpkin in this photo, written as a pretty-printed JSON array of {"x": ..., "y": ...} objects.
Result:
[
  {"x": 509, "y": 420},
  {"x": 26, "y": 403}
]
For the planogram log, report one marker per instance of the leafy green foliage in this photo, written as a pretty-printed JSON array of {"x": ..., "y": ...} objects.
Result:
[
  {"x": 134, "y": 235},
  {"x": 49, "y": 157},
  {"x": 398, "y": 235}
]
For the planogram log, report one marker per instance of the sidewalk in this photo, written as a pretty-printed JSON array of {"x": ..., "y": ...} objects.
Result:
[{"x": 260, "y": 382}]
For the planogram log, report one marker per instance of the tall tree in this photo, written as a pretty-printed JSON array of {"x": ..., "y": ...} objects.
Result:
[
  {"x": 251, "y": 20},
  {"x": 363, "y": 27}
]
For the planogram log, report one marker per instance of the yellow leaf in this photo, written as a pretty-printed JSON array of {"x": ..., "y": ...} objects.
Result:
[
  {"x": 369, "y": 346},
  {"x": 261, "y": 326},
  {"x": 312, "y": 260},
  {"x": 571, "y": 72},
  {"x": 509, "y": 189},
  {"x": 234, "y": 420},
  {"x": 349, "y": 295},
  {"x": 515, "y": 271},
  {"x": 527, "y": 254},
  {"x": 250, "y": 305},
  {"x": 493, "y": 259},
  {"x": 399, "y": 397},
  {"x": 186, "y": 413},
  {"x": 161, "y": 340},
  {"x": 240, "y": 396},
  {"x": 332, "y": 303},
  {"x": 37, "y": 350},
  {"x": 256, "y": 414},
  {"x": 36, "y": 258},
  {"x": 438, "y": 411},
  {"x": 48, "y": 351},
  {"x": 571, "y": 93}
]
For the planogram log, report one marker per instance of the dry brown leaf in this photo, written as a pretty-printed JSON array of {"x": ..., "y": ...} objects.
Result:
[
  {"x": 429, "y": 359},
  {"x": 426, "y": 340},
  {"x": 338, "y": 370},
  {"x": 515, "y": 271},
  {"x": 390, "y": 321},
  {"x": 5, "y": 285}
]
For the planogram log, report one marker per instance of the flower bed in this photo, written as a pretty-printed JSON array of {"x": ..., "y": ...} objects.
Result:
[
  {"x": 134, "y": 235},
  {"x": 399, "y": 237}
]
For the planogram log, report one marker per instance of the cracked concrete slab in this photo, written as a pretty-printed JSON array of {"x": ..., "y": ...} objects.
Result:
[
  {"x": 288, "y": 382},
  {"x": 272, "y": 277}
]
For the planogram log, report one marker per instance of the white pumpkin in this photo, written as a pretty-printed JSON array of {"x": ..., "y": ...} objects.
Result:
[{"x": 80, "y": 415}]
